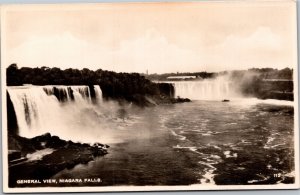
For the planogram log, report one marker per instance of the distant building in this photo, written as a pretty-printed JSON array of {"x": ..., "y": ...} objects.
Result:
[
  {"x": 181, "y": 77},
  {"x": 273, "y": 80}
]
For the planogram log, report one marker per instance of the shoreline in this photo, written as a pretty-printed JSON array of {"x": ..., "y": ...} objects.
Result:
[{"x": 43, "y": 156}]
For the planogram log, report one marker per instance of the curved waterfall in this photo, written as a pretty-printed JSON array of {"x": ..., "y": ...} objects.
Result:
[
  {"x": 39, "y": 109},
  {"x": 214, "y": 89}
]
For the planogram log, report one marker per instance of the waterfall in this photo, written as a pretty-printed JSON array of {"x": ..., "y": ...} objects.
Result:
[
  {"x": 98, "y": 93},
  {"x": 207, "y": 89},
  {"x": 41, "y": 109}
]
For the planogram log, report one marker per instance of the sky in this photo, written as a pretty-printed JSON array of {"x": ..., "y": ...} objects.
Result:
[{"x": 158, "y": 37}]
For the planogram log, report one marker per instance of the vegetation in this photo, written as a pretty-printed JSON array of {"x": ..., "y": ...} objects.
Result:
[
  {"x": 132, "y": 87},
  {"x": 262, "y": 73},
  {"x": 163, "y": 77},
  {"x": 265, "y": 83},
  {"x": 262, "y": 83}
]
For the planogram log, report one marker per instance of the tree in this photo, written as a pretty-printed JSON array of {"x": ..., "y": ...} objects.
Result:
[{"x": 12, "y": 75}]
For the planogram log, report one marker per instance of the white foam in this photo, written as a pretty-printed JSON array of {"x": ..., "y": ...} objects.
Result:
[
  {"x": 291, "y": 174},
  {"x": 229, "y": 155},
  {"x": 245, "y": 142},
  {"x": 277, "y": 145},
  {"x": 208, "y": 177},
  {"x": 217, "y": 147},
  {"x": 39, "y": 154},
  {"x": 192, "y": 148},
  {"x": 231, "y": 124},
  {"x": 254, "y": 101},
  {"x": 180, "y": 137},
  {"x": 206, "y": 134},
  {"x": 258, "y": 180},
  {"x": 270, "y": 140},
  {"x": 215, "y": 156}
]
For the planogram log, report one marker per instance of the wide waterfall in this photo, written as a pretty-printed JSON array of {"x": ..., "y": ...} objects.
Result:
[
  {"x": 207, "y": 89},
  {"x": 41, "y": 109}
]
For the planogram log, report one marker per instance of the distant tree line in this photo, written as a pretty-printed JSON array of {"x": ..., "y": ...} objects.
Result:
[
  {"x": 134, "y": 87},
  {"x": 262, "y": 83},
  {"x": 163, "y": 77},
  {"x": 128, "y": 86},
  {"x": 265, "y": 83},
  {"x": 263, "y": 73}
]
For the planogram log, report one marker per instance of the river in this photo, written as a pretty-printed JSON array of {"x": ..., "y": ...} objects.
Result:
[{"x": 205, "y": 142}]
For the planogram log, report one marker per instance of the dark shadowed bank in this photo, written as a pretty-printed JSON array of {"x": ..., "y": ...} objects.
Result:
[
  {"x": 130, "y": 87},
  {"x": 264, "y": 83},
  {"x": 43, "y": 156}
]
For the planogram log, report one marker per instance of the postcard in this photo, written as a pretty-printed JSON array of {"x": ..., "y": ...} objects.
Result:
[{"x": 149, "y": 96}]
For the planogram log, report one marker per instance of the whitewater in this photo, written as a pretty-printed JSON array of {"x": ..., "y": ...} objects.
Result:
[{"x": 206, "y": 141}]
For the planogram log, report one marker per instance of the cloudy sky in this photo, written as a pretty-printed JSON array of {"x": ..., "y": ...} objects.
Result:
[{"x": 158, "y": 37}]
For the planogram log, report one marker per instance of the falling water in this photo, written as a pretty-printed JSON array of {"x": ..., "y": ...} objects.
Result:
[
  {"x": 98, "y": 92},
  {"x": 208, "y": 89},
  {"x": 204, "y": 138},
  {"x": 50, "y": 108}
]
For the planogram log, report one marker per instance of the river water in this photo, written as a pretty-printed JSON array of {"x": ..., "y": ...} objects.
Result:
[
  {"x": 202, "y": 142},
  {"x": 206, "y": 141}
]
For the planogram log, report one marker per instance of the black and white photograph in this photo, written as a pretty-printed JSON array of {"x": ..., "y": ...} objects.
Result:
[{"x": 150, "y": 96}]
